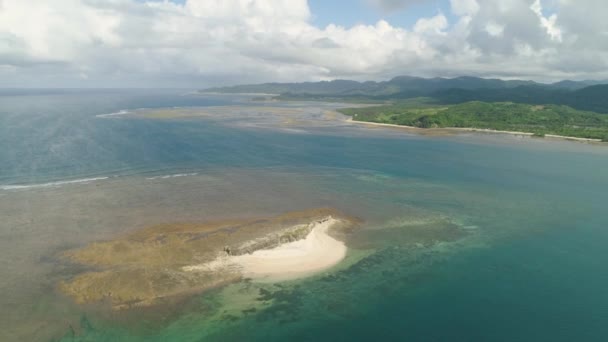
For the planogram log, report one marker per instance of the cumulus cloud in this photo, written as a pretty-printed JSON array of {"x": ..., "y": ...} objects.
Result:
[
  {"x": 393, "y": 5},
  {"x": 464, "y": 7},
  {"x": 436, "y": 24},
  {"x": 207, "y": 42},
  {"x": 549, "y": 23}
]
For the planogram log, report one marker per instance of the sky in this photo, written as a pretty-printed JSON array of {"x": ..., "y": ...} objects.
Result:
[{"x": 201, "y": 43}]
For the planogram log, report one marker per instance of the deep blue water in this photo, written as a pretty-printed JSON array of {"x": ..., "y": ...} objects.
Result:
[
  {"x": 57, "y": 136},
  {"x": 541, "y": 277},
  {"x": 545, "y": 287}
]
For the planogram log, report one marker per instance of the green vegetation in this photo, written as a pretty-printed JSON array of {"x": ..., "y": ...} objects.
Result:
[
  {"x": 506, "y": 116},
  {"x": 569, "y": 108}
]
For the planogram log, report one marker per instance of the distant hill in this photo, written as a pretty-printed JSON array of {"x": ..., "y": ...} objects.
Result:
[
  {"x": 324, "y": 87},
  {"x": 584, "y": 95},
  {"x": 575, "y": 85},
  {"x": 401, "y": 86},
  {"x": 523, "y": 94},
  {"x": 592, "y": 98}
]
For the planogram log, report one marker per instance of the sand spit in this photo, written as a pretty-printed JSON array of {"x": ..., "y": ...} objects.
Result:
[
  {"x": 148, "y": 265},
  {"x": 318, "y": 251}
]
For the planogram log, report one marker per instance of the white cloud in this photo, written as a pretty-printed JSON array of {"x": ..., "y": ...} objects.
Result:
[
  {"x": 548, "y": 23},
  {"x": 436, "y": 24},
  {"x": 203, "y": 42},
  {"x": 464, "y": 7},
  {"x": 494, "y": 29},
  {"x": 393, "y": 5}
]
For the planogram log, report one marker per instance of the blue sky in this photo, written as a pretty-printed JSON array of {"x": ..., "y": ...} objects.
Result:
[
  {"x": 348, "y": 13},
  {"x": 351, "y": 12}
]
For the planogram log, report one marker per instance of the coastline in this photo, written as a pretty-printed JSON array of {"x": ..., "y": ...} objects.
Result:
[{"x": 470, "y": 129}]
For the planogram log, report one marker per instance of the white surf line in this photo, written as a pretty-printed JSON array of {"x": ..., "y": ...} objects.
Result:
[
  {"x": 172, "y": 176},
  {"x": 119, "y": 113},
  {"x": 51, "y": 184}
]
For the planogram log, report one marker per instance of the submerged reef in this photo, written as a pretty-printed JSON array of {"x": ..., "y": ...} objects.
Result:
[{"x": 148, "y": 265}]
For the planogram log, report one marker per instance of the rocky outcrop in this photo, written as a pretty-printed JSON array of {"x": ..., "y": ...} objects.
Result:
[{"x": 272, "y": 240}]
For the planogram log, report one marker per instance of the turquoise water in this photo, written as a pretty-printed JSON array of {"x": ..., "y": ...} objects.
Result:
[{"x": 530, "y": 266}]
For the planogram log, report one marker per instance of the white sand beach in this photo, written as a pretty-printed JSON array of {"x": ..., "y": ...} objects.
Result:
[
  {"x": 317, "y": 252},
  {"x": 465, "y": 129}
]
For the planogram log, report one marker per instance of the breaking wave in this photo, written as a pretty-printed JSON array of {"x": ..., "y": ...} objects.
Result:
[{"x": 51, "y": 184}]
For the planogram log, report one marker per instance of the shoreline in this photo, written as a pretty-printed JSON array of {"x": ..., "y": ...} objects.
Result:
[
  {"x": 471, "y": 129},
  {"x": 317, "y": 252}
]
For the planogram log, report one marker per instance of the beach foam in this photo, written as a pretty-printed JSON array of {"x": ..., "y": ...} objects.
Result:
[
  {"x": 51, "y": 184},
  {"x": 173, "y": 176},
  {"x": 120, "y": 112},
  {"x": 317, "y": 252}
]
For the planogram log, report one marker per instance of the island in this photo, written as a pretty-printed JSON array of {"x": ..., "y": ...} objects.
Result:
[
  {"x": 575, "y": 110},
  {"x": 155, "y": 264}
]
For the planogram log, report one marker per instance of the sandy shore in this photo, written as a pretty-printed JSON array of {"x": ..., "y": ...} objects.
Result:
[
  {"x": 317, "y": 252},
  {"x": 479, "y": 130}
]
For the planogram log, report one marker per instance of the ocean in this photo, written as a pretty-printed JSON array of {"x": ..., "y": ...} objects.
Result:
[{"x": 470, "y": 237}]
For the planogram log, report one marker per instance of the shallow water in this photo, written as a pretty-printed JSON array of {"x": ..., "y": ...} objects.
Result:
[{"x": 529, "y": 265}]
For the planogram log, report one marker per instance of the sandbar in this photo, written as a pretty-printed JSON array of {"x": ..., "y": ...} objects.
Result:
[
  {"x": 318, "y": 251},
  {"x": 149, "y": 265}
]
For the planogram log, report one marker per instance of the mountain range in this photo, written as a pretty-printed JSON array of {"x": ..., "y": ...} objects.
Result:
[{"x": 584, "y": 95}]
